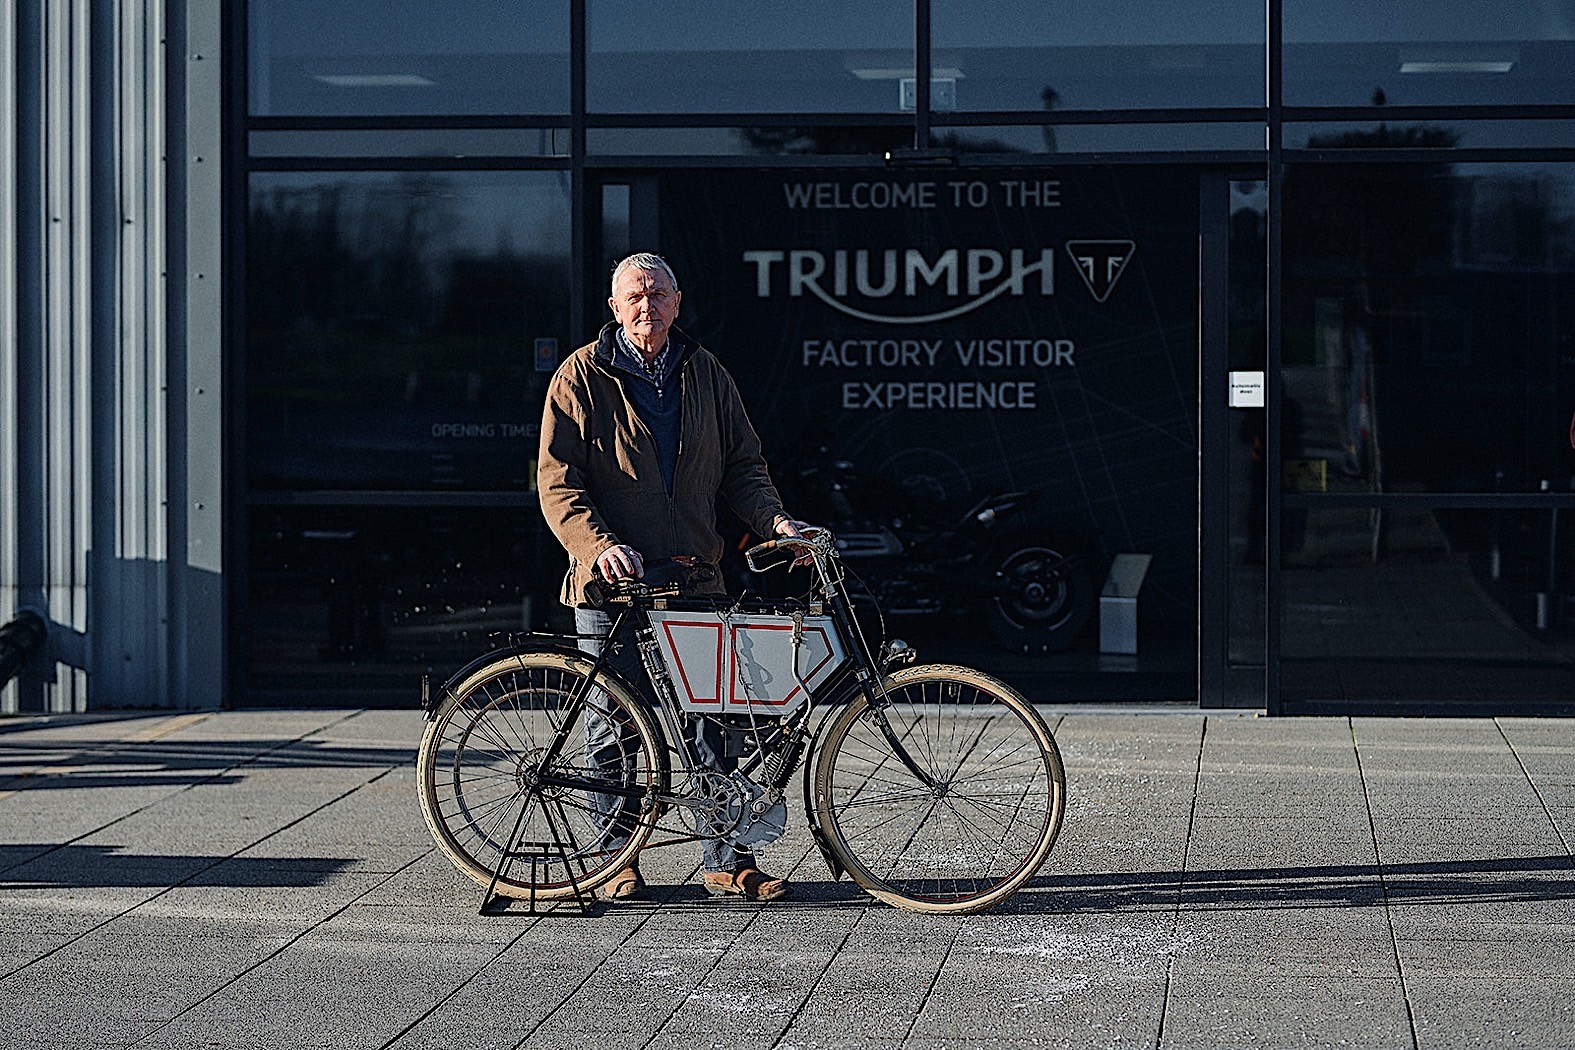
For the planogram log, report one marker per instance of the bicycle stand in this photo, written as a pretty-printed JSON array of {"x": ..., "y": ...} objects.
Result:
[{"x": 535, "y": 852}]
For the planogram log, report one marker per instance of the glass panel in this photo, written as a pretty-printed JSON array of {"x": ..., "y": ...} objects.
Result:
[
  {"x": 1441, "y": 609},
  {"x": 1358, "y": 53},
  {"x": 616, "y": 217},
  {"x": 401, "y": 326},
  {"x": 743, "y": 142},
  {"x": 720, "y": 56},
  {"x": 1248, "y": 312},
  {"x": 350, "y": 58},
  {"x": 362, "y": 599},
  {"x": 1432, "y": 134},
  {"x": 426, "y": 142},
  {"x": 914, "y": 344},
  {"x": 1102, "y": 138},
  {"x": 1429, "y": 336},
  {"x": 1122, "y": 54}
]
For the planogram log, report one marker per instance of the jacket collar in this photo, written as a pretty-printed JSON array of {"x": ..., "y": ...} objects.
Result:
[{"x": 683, "y": 347}]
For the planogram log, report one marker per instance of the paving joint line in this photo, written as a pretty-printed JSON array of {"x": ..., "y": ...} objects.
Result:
[
  {"x": 572, "y": 992},
  {"x": 1534, "y": 789},
  {"x": 462, "y": 985},
  {"x": 1181, "y": 886},
  {"x": 1383, "y": 886},
  {"x": 117, "y": 749},
  {"x": 205, "y": 868},
  {"x": 935, "y": 978},
  {"x": 759, "y": 908},
  {"x": 183, "y": 1011},
  {"x": 814, "y": 985}
]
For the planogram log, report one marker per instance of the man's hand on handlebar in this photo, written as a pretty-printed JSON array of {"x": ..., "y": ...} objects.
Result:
[
  {"x": 798, "y": 530},
  {"x": 620, "y": 562}
]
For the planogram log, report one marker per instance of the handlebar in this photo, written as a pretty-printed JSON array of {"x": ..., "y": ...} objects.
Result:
[
  {"x": 666, "y": 578},
  {"x": 816, "y": 540},
  {"x": 672, "y": 578}
]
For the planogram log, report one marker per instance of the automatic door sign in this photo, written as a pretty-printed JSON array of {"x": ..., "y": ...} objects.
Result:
[{"x": 1100, "y": 264}]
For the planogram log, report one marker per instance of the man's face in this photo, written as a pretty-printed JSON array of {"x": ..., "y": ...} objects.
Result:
[{"x": 646, "y": 304}]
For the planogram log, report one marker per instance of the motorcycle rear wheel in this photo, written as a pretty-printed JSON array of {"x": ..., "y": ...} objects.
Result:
[{"x": 1046, "y": 593}]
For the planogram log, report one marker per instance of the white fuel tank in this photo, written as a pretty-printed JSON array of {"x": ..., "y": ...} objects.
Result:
[{"x": 743, "y": 663}]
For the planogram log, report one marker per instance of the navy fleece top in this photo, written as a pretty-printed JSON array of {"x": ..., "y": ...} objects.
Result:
[{"x": 659, "y": 400}]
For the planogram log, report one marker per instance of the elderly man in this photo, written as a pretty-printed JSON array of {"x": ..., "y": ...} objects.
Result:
[{"x": 642, "y": 431}]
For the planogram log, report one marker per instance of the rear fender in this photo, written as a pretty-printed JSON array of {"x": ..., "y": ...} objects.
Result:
[{"x": 542, "y": 643}]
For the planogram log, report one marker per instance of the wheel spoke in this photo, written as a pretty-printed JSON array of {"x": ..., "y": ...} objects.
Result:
[
  {"x": 490, "y": 740},
  {"x": 976, "y": 833}
]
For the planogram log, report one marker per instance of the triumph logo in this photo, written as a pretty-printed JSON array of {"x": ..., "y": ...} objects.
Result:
[
  {"x": 1100, "y": 263},
  {"x": 982, "y": 274},
  {"x": 886, "y": 274}
]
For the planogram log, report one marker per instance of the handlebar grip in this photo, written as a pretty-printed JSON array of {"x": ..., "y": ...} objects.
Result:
[
  {"x": 791, "y": 545},
  {"x": 761, "y": 548}
]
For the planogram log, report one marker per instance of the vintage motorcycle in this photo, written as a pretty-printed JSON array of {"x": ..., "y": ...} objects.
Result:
[{"x": 919, "y": 554}]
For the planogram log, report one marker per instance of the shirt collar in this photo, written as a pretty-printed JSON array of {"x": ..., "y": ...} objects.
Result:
[{"x": 655, "y": 371}]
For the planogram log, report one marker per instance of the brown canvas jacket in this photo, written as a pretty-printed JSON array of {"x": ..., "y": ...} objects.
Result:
[{"x": 599, "y": 479}]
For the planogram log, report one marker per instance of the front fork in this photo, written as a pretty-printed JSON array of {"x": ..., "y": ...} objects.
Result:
[{"x": 877, "y": 705}]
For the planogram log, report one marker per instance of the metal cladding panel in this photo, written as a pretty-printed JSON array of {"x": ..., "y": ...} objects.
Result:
[
  {"x": 735, "y": 664},
  {"x": 98, "y": 480}
]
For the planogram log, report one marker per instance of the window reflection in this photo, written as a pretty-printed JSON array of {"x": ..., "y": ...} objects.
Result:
[
  {"x": 719, "y": 56},
  {"x": 1125, "y": 54},
  {"x": 342, "y": 57},
  {"x": 401, "y": 327},
  {"x": 1430, "y": 606},
  {"x": 1428, "y": 341},
  {"x": 364, "y": 598},
  {"x": 1432, "y": 134},
  {"x": 1355, "y": 53},
  {"x": 1101, "y": 138},
  {"x": 809, "y": 140}
]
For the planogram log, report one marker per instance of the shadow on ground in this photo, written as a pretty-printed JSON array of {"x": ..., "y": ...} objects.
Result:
[{"x": 85, "y": 867}]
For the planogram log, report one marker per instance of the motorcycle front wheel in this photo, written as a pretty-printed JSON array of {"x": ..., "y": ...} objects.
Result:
[{"x": 953, "y": 804}]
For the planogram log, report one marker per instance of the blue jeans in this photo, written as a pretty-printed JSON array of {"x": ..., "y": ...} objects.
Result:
[{"x": 609, "y": 750}]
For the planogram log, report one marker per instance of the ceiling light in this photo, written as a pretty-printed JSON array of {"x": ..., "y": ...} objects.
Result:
[
  {"x": 354, "y": 80},
  {"x": 895, "y": 73},
  {"x": 1456, "y": 67}
]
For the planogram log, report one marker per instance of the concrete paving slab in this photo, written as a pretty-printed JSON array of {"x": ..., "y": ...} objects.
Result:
[
  {"x": 1216, "y": 876},
  {"x": 1530, "y": 954},
  {"x": 1493, "y": 1012},
  {"x": 1060, "y": 1011},
  {"x": 1328, "y": 1011}
]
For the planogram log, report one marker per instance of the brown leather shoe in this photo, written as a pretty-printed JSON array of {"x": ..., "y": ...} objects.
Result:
[
  {"x": 627, "y": 885},
  {"x": 748, "y": 883}
]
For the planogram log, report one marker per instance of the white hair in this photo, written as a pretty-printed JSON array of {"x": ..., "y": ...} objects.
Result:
[{"x": 646, "y": 261}]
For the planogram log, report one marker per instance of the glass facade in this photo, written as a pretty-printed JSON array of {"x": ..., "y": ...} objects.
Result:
[
  {"x": 1452, "y": 53},
  {"x": 1000, "y": 55},
  {"x": 407, "y": 57},
  {"x": 401, "y": 327},
  {"x": 1026, "y": 263},
  {"x": 714, "y": 56},
  {"x": 1428, "y": 356}
]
